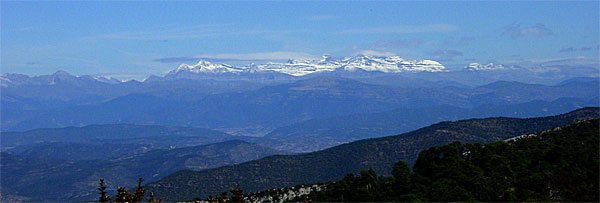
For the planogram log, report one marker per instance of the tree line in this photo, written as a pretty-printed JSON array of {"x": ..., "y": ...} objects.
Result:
[
  {"x": 557, "y": 165},
  {"x": 123, "y": 195}
]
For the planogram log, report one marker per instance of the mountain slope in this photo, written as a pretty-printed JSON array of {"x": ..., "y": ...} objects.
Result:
[
  {"x": 559, "y": 164},
  {"x": 333, "y": 163},
  {"x": 51, "y": 179},
  {"x": 317, "y": 134}
]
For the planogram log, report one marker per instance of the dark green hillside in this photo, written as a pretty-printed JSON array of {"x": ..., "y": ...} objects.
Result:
[
  {"x": 51, "y": 179},
  {"x": 333, "y": 163},
  {"x": 558, "y": 165}
]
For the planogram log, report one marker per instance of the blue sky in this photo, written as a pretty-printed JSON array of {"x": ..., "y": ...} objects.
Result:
[{"x": 136, "y": 39}]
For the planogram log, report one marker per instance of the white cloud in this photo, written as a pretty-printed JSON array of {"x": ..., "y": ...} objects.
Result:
[
  {"x": 458, "y": 41},
  {"x": 169, "y": 33},
  {"x": 403, "y": 29},
  {"x": 445, "y": 54},
  {"x": 124, "y": 76},
  {"x": 576, "y": 60},
  {"x": 190, "y": 32},
  {"x": 394, "y": 44},
  {"x": 537, "y": 30}
]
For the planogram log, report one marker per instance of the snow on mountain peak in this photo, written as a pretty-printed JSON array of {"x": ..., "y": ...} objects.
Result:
[
  {"x": 13, "y": 79},
  {"x": 295, "y": 67},
  {"x": 107, "y": 79},
  {"x": 206, "y": 67},
  {"x": 489, "y": 66},
  {"x": 391, "y": 64}
]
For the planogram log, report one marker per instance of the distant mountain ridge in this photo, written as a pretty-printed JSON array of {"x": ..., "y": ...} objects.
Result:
[
  {"x": 306, "y": 136},
  {"x": 13, "y": 79},
  {"x": 261, "y": 110}
]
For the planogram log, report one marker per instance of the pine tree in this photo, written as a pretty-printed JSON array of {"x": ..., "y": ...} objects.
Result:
[
  {"x": 103, "y": 196},
  {"x": 138, "y": 195},
  {"x": 401, "y": 178},
  {"x": 237, "y": 194},
  {"x": 122, "y": 195},
  {"x": 125, "y": 196}
]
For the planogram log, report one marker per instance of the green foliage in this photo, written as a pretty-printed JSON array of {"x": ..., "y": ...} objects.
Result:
[
  {"x": 102, "y": 193},
  {"x": 237, "y": 194},
  {"x": 362, "y": 188},
  {"x": 556, "y": 165},
  {"x": 123, "y": 195},
  {"x": 400, "y": 178},
  {"x": 138, "y": 195}
]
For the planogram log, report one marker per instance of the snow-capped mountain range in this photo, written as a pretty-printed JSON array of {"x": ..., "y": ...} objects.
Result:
[
  {"x": 357, "y": 67},
  {"x": 390, "y": 64},
  {"x": 13, "y": 79}
]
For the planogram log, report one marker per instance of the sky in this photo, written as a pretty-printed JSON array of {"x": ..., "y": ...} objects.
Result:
[{"x": 132, "y": 40}]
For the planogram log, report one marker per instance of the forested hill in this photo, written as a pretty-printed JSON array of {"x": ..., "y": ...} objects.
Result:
[
  {"x": 334, "y": 163},
  {"x": 555, "y": 165}
]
